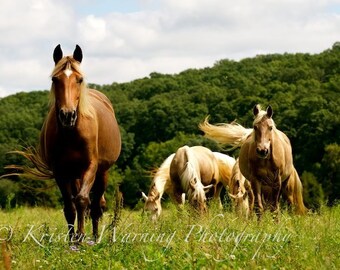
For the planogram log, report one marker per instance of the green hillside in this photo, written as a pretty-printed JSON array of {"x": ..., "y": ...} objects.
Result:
[{"x": 159, "y": 113}]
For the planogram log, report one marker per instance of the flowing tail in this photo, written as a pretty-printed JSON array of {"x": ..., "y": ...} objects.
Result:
[
  {"x": 232, "y": 134},
  {"x": 297, "y": 195},
  {"x": 39, "y": 171}
]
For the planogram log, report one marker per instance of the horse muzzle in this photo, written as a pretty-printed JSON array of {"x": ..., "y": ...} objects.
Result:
[
  {"x": 67, "y": 118},
  {"x": 262, "y": 152}
]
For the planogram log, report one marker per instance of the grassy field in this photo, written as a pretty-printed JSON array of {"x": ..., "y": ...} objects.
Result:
[{"x": 35, "y": 238}]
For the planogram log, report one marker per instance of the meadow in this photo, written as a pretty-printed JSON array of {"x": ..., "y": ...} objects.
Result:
[{"x": 36, "y": 238}]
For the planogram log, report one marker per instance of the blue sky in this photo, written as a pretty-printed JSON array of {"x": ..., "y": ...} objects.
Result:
[{"x": 128, "y": 39}]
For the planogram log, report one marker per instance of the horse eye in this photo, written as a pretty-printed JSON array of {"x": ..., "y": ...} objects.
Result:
[
  {"x": 255, "y": 127},
  {"x": 270, "y": 128},
  {"x": 54, "y": 79},
  {"x": 80, "y": 80}
]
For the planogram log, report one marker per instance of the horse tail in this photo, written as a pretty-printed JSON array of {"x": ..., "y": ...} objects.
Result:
[
  {"x": 230, "y": 134},
  {"x": 39, "y": 171},
  {"x": 297, "y": 195}
]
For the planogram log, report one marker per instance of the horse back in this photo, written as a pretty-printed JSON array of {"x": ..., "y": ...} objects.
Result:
[
  {"x": 109, "y": 140},
  {"x": 208, "y": 164}
]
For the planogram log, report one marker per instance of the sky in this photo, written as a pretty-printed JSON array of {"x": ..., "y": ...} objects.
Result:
[{"x": 124, "y": 40}]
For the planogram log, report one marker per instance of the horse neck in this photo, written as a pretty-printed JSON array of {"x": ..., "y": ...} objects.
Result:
[
  {"x": 160, "y": 180},
  {"x": 225, "y": 166}
]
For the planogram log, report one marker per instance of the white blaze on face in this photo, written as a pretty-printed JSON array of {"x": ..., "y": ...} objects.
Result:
[{"x": 68, "y": 72}]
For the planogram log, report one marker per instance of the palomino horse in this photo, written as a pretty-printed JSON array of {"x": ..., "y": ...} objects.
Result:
[
  {"x": 265, "y": 157},
  {"x": 79, "y": 142},
  {"x": 241, "y": 192},
  {"x": 161, "y": 183},
  {"x": 194, "y": 171}
]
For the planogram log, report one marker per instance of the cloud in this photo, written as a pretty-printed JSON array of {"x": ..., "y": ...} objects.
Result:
[{"x": 147, "y": 36}]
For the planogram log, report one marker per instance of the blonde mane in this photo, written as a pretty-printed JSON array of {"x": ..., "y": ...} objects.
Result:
[
  {"x": 85, "y": 107},
  {"x": 160, "y": 182}
]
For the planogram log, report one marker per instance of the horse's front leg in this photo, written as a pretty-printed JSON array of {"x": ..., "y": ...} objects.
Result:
[
  {"x": 82, "y": 200},
  {"x": 257, "y": 198},
  {"x": 69, "y": 207},
  {"x": 275, "y": 196},
  {"x": 217, "y": 195}
]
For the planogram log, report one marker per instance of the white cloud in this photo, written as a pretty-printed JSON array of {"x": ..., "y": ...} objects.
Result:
[{"x": 165, "y": 36}]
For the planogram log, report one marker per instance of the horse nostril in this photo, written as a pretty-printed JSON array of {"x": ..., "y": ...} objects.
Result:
[
  {"x": 62, "y": 115},
  {"x": 67, "y": 118},
  {"x": 261, "y": 152},
  {"x": 73, "y": 114}
]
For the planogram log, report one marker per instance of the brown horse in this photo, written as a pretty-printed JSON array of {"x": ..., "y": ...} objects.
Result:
[
  {"x": 161, "y": 184},
  {"x": 79, "y": 142},
  {"x": 265, "y": 157}
]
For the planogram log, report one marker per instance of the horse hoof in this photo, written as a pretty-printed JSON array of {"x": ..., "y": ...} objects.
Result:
[
  {"x": 91, "y": 243},
  {"x": 74, "y": 248}
]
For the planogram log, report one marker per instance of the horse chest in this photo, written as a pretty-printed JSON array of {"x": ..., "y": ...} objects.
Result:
[
  {"x": 70, "y": 153},
  {"x": 265, "y": 172}
]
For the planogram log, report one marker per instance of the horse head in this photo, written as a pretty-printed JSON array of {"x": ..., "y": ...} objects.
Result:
[
  {"x": 67, "y": 85},
  {"x": 196, "y": 195},
  {"x": 152, "y": 205},
  {"x": 263, "y": 126}
]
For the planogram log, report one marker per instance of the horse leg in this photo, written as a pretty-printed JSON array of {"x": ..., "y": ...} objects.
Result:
[
  {"x": 274, "y": 198},
  {"x": 257, "y": 199},
  {"x": 98, "y": 202},
  {"x": 82, "y": 200},
  {"x": 217, "y": 194},
  {"x": 69, "y": 207}
]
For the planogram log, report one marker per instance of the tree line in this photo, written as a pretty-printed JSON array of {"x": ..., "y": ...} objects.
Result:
[{"x": 161, "y": 112}]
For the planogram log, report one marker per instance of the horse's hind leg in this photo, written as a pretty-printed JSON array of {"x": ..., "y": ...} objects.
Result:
[{"x": 98, "y": 202}]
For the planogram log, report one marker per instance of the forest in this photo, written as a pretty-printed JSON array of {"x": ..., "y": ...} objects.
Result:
[{"x": 161, "y": 112}]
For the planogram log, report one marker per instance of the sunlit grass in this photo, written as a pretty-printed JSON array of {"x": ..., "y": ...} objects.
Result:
[{"x": 37, "y": 238}]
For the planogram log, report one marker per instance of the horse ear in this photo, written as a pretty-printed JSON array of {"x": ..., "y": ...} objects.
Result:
[
  {"x": 256, "y": 109},
  {"x": 207, "y": 188},
  {"x": 57, "y": 54},
  {"x": 144, "y": 196},
  {"x": 78, "y": 54},
  {"x": 269, "y": 111}
]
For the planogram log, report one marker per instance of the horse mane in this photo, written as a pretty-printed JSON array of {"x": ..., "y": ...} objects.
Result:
[
  {"x": 160, "y": 181},
  {"x": 189, "y": 174},
  {"x": 85, "y": 107}
]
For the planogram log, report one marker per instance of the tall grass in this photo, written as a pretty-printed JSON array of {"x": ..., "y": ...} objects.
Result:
[{"x": 35, "y": 238}]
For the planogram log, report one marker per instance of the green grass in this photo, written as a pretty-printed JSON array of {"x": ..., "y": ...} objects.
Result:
[{"x": 35, "y": 238}]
